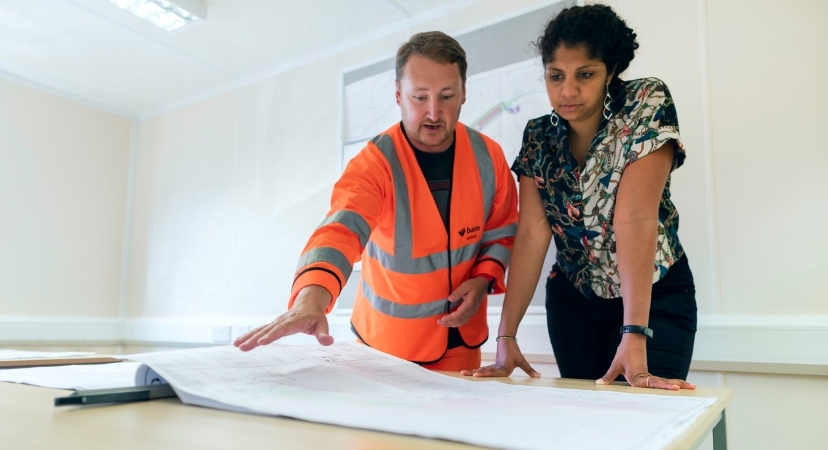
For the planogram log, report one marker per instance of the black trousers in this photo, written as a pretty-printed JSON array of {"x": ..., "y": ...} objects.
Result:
[{"x": 585, "y": 331}]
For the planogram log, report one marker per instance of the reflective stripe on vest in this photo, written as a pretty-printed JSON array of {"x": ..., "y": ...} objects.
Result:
[
  {"x": 328, "y": 255},
  {"x": 495, "y": 251},
  {"x": 394, "y": 309},
  {"x": 350, "y": 220},
  {"x": 499, "y": 233},
  {"x": 486, "y": 168}
]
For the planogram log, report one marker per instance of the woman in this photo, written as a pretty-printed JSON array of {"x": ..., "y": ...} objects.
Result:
[{"x": 595, "y": 175}]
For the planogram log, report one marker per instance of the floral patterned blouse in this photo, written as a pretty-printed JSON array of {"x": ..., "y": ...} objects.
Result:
[{"x": 579, "y": 203}]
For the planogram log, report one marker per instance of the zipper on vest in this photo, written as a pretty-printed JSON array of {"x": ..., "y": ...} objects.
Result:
[{"x": 449, "y": 235}]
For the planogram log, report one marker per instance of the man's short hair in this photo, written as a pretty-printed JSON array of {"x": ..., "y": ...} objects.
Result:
[{"x": 436, "y": 46}]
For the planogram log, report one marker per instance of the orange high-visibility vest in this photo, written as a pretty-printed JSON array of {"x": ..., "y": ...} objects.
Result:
[{"x": 383, "y": 211}]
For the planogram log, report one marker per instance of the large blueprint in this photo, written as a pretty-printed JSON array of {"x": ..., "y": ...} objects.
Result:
[{"x": 352, "y": 385}]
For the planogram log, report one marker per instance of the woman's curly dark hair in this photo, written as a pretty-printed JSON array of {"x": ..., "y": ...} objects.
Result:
[{"x": 605, "y": 36}]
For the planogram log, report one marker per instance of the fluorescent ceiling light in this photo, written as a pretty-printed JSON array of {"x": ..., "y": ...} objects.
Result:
[{"x": 169, "y": 15}]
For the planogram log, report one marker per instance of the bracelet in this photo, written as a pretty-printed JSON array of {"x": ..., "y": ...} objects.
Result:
[{"x": 511, "y": 338}]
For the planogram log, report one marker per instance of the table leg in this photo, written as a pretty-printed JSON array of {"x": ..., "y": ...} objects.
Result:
[{"x": 720, "y": 434}]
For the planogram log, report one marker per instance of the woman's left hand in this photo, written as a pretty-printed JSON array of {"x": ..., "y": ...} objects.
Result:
[{"x": 631, "y": 361}]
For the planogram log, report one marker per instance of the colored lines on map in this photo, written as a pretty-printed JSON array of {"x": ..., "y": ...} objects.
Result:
[{"x": 511, "y": 107}]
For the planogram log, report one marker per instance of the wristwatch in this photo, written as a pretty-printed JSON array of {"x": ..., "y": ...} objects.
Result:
[{"x": 637, "y": 329}]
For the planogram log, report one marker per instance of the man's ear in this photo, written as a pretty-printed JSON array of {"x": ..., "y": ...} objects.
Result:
[
  {"x": 397, "y": 93},
  {"x": 463, "y": 98}
]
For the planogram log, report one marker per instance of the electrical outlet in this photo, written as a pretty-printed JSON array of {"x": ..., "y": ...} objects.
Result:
[{"x": 221, "y": 334}]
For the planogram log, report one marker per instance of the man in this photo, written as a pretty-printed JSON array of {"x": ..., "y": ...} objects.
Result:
[{"x": 431, "y": 208}]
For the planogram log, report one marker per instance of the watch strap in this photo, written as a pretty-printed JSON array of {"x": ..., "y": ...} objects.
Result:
[
  {"x": 491, "y": 281},
  {"x": 637, "y": 329}
]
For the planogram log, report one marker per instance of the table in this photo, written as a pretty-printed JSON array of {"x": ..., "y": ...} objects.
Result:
[
  {"x": 713, "y": 420},
  {"x": 28, "y": 419}
]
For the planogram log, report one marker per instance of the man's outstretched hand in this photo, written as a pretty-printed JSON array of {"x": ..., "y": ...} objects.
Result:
[{"x": 307, "y": 316}]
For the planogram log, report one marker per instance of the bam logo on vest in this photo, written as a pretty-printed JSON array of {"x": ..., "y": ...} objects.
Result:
[{"x": 469, "y": 231}]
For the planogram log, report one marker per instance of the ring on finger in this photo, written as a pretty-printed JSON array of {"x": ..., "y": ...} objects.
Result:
[{"x": 648, "y": 381}]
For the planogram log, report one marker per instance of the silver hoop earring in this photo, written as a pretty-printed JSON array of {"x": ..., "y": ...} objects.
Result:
[
  {"x": 607, "y": 103},
  {"x": 554, "y": 119}
]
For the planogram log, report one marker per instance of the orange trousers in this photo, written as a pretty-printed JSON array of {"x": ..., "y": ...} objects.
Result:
[{"x": 455, "y": 359}]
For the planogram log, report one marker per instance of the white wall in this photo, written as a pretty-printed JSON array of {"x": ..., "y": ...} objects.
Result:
[
  {"x": 769, "y": 111},
  {"x": 751, "y": 107},
  {"x": 63, "y": 184},
  {"x": 228, "y": 189},
  {"x": 672, "y": 51}
]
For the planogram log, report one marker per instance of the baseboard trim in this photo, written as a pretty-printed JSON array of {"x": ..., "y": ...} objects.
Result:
[
  {"x": 767, "y": 344},
  {"x": 59, "y": 329}
]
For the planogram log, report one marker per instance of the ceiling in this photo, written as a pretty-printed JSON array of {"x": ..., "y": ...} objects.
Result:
[{"x": 95, "y": 53}]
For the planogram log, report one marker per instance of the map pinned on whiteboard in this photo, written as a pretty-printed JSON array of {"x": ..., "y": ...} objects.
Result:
[{"x": 499, "y": 102}]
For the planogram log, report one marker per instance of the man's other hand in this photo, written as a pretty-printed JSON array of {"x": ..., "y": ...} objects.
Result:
[{"x": 466, "y": 300}]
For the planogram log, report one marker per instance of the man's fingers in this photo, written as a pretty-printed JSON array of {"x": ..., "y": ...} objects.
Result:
[
  {"x": 281, "y": 329},
  {"x": 277, "y": 329},
  {"x": 461, "y": 292},
  {"x": 251, "y": 340},
  {"x": 292, "y": 322},
  {"x": 321, "y": 332},
  {"x": 248, "y": 344},
  {"x": 272, "y": 333},
  {"x": 458, "y": 294},
  {"x": 240, "y": 343},
  {"x": 246, "y": 336},
  {"x": 325, "y": 339},
  {"x": 456, "y": 318},
  {"x": 243, "y": 338}
]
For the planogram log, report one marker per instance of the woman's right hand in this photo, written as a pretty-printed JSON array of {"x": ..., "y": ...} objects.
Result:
[{"x": 508, "y": 358}]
